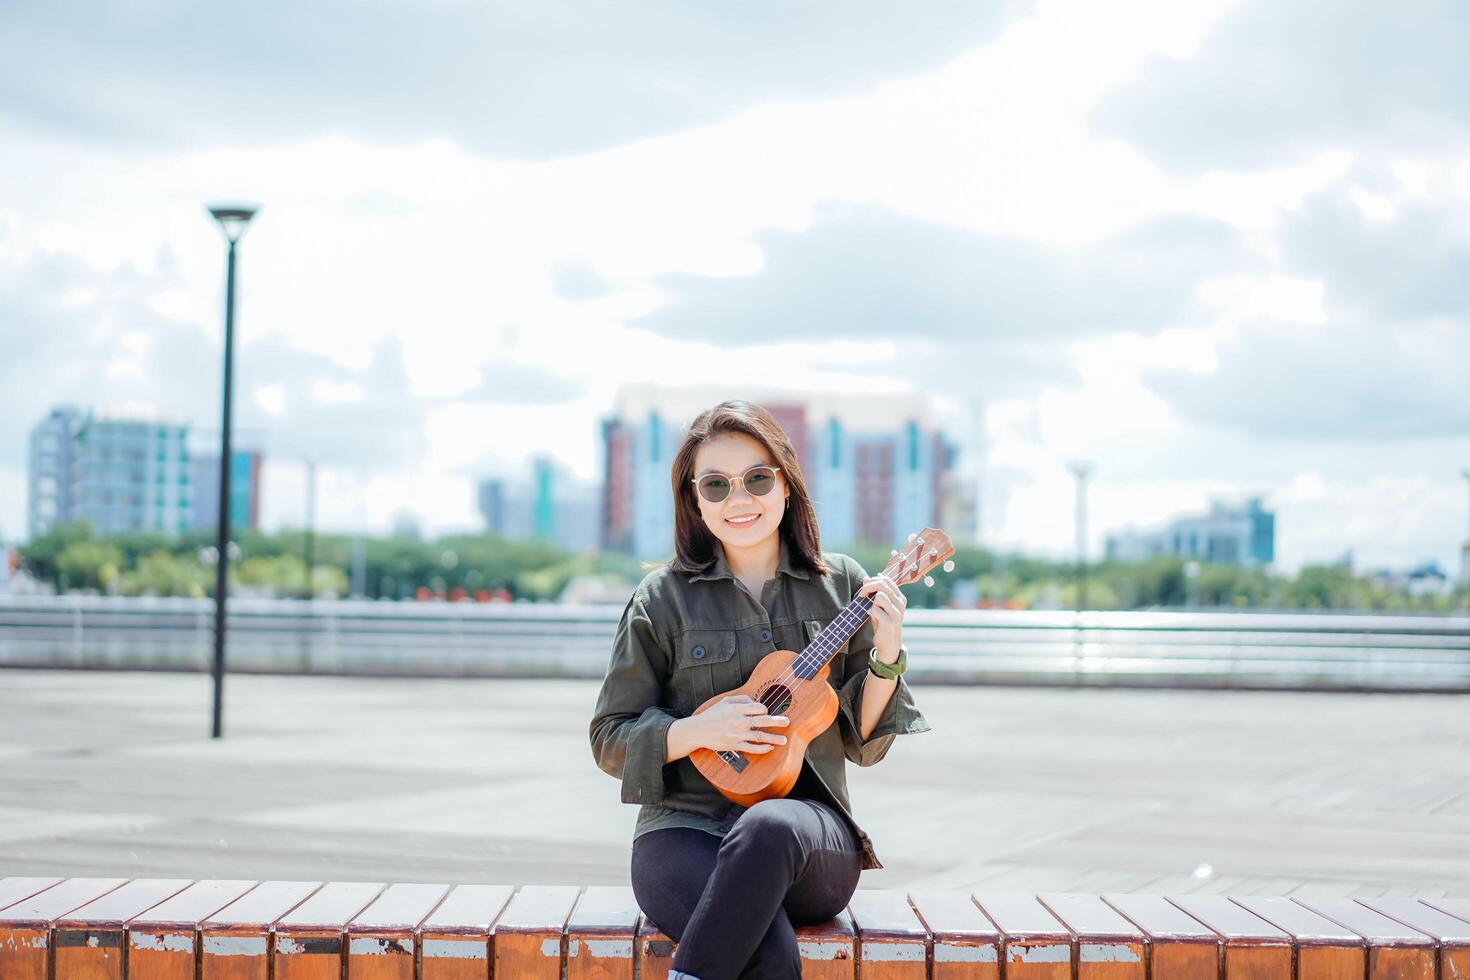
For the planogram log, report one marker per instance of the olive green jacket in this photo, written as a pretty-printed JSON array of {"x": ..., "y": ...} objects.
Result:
[{"x": 684, "y": 638}]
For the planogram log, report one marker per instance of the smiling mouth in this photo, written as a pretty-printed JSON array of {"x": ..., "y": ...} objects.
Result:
[{"x": 747, "y": 523}]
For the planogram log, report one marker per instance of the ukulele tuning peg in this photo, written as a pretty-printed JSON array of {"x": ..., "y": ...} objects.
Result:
[
  {"x": 933, "y": 552},
  {"x": 929, "y": 581},
  {"x": 920, "y": 542},
  {"x": 949, "y": 565},
  {"x": 911, "y": 538},
  {"x": 893, "y": 553}
]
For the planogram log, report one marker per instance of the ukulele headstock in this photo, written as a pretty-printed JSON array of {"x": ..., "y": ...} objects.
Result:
[{"x": 924, "y": 551}]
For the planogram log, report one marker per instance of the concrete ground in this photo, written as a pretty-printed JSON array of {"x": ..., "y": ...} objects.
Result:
[{"x": 1015, "y": 789}]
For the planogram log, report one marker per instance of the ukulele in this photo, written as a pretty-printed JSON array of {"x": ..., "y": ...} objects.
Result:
[{"x": 795, "y": 685}]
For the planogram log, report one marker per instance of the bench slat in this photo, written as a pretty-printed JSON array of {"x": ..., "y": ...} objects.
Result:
[
  {"x": 1458, "y": 907},
  {"x": 1162, "y": 920},
  {"x": 25, "y": 926},
  {"x": 1324, "y": 949},
  {"x": 1377, "y": 928},
  {"x": 1395, "y": 952},
  {"x": 42, "y": 909},
  {"x": 1109, "y": 947},
  {"x": 89, "y": 939},
  {"x": 528, "y": 936},
  {"x": 1446, "y": 930},
  {"x": 236, "y": 940},
  {"x": 1035, "y": 945},
  {"x": 1305, "y": 927},
  {"x": 163, "y": 942},
  {"x": 308, "y": 939},
  {"x": 454, "y": 941},
  {"x": 14, "y": 889},
  {"x": 655, "y": 952},
  {"x": 1183, "y": 948},
  {"x": 1452, "y": 934},
  {"x": 381, "y": 939},
  {"x": 828, "y": 949},
  {"x": 159, "y": 928},
  {"x": 1235, "y": 924},
  {"x": 966, "y": 945},
  {"x": 1254, "y": 949},
  {"x": 602, "y": 933},
  {"x": 893, "y": 940},
  {"x": 1090, "y": 918}
]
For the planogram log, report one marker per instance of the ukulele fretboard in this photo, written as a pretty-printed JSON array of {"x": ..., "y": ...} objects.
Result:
[{"x": 833, "y": 638}]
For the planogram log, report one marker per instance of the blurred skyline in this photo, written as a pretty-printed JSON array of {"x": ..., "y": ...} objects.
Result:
[{"x": 1214, "y": 248}]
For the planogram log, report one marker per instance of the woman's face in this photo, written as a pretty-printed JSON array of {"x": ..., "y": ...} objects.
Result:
[{"x": 732, "y": 455}]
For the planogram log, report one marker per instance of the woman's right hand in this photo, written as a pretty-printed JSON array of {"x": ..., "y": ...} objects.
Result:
[{"x": 734, "y": 725}]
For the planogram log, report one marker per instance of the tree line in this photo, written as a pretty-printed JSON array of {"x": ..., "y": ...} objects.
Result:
[{"x": 70, "y": 558}]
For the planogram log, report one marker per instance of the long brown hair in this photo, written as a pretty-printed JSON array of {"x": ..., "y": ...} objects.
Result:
[{"x": 694, "y": 545}]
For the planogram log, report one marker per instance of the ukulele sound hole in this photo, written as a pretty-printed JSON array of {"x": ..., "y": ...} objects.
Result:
[{"x": 776, "y": 698}]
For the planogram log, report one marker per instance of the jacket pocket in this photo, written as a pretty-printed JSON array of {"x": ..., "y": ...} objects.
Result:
[{"x": 702, "y": 661}]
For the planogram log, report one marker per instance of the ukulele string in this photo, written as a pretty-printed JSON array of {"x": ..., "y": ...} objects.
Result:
[{"x": 790, "y": 674}]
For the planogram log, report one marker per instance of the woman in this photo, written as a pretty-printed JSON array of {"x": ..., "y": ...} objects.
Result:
[{"x": 748, "y": 577}]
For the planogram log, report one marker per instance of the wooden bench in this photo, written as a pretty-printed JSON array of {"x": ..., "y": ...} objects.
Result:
[{"x": 176, "y": 929}]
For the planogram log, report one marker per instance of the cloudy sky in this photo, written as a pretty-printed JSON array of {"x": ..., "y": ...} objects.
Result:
[{"x": 1215, "y": 248}]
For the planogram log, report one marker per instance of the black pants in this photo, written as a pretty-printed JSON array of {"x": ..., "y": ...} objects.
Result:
[{"x": 730, "y": 904}]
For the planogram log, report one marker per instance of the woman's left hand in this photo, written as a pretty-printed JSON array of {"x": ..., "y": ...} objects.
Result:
[{"x": 887, "y": 615}]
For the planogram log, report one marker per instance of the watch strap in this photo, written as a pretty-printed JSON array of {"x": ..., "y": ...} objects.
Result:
[{"x": 891, "y": 671}]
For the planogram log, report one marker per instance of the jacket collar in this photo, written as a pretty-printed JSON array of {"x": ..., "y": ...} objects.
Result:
[{"x": 721, "y": 568}]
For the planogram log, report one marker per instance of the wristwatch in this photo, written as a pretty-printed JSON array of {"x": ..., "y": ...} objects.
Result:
[{"x": 891, "y": 671}]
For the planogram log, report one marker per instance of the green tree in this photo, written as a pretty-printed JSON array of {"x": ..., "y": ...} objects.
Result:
[
  {"x": 163, "y": 573},
  {"x": 88, "y": 564},
  {"x": 39, "y": 557}
]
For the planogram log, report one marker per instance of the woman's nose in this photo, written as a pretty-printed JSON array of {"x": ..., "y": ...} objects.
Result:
[{"x": 738, "y": 486}]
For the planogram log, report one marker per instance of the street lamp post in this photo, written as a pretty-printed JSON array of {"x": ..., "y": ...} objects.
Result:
[
  {"x": 233, "y": 220},
  {"x": 1081, "y": 471}
]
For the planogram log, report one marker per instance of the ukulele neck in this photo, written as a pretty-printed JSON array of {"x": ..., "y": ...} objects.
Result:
[{"x": 832, "y": 639}]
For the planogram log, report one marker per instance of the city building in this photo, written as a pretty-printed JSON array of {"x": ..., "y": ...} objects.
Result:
[
  {"x": 245, "y": 467},
  {"x": 406, "y": 523},
  {"x": 959, "y": 508},
  {"x": 551, "y": 505},
  {"x": 876, "y": 467},
  {"x": 1424, "y": 579},
  {"x": 50, "y": 469},
  {"x": 1229, "y": 534},
  {"x": 120, "y": 473}
]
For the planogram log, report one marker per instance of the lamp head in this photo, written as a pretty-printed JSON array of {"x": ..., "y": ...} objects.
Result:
[{"x": 233, "y": 218}]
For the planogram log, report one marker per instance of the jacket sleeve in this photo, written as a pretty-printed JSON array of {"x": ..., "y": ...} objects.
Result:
[
  {"x": 899, "y": 717},
  {"x": 629, "y": 729}
]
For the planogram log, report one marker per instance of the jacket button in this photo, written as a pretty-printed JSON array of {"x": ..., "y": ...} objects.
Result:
[
  {"x": 697, "y": 653},
  {"x": 765, "y": 634}
]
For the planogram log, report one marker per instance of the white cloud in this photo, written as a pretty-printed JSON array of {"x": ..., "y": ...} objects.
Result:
[
  {"x": 271, "y": 399},
  {"x": 454, "y": 256},
  {"x": 12, "y": 504},
  {"x": 1391, "y": 520},
  {"x": 324, "y": 390},
  {"x": 1283, "y": 299}
]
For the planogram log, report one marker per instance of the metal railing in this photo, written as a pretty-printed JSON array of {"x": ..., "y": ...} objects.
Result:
[{"x": 1227, "y": 649}]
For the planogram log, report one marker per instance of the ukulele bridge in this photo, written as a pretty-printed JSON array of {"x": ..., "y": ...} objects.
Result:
[{"x": 734, "y": 760}]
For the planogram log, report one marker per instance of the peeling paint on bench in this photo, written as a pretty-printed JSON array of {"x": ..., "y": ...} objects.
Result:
[
  {"x": 235, "y": 945},
  {"x": 1108, "y": 953}
]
